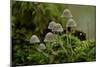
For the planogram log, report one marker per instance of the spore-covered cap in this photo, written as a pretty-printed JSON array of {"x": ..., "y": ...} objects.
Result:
[
  {"x": 49, "y": 37},
  {"x": 71, "y": 23},
  {"x": 67, "y": 13},
  {"x": 34, "y": 39},
  {"x": 57, "y": 28},
  {"x": 42, "y": 46},
  {"x": 51, "y": 25}
]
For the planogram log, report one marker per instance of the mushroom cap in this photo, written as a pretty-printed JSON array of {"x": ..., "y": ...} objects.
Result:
[
  {"x": 57, "y": 28},
  {"x": 42, "y": 46},
  {"x": 67, "y": 13},
  {"x": 34, "y": 39},
  {"x": 51, "y": 25},
  {"x": 49, "y": 37},
  {"x": 71, "y": 23}
]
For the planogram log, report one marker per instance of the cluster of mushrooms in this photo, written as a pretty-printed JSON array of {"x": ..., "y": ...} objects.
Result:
[{"x": 55, "y": 28}]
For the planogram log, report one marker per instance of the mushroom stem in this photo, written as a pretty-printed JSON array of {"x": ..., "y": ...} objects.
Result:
[
  {"x": 61, "y": 44},
  {"x": 50, "y": 48},
  {"x": 64, "y": 49},
  {"x": 45, "y": 54},
  {"x": 69, "y": 40}
]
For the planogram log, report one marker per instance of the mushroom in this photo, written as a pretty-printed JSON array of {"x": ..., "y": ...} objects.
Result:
[
  {"x": 57, "y": 28},
  {"x": 51, "y": 25},
  {"x": 42, "y": 46},
  {"x": 71, "y": 25},
  {"x": 49, "y": 37},
  {"x": 67, "y": 13},
  {"x": 34, "y": 39}
]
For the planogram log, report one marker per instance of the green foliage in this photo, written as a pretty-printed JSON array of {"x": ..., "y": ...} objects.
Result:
[
  {"x": 29, "y": 16},
  {"x": 33, "y": 18},
  {"x": 60, "y": 51}
]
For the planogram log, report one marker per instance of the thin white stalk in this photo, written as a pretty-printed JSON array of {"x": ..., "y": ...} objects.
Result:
[
  {"x": 61, "y": 44},
  {"x": 42, "y": 52},
  {"x": 50, "y": 48},
  {"x": 70, "y": 45}
]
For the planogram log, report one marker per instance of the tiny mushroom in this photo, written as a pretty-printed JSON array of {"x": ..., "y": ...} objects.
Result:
[
  {"x": 57, "y": 28},
  {"x": 51, "y": 25},
  {"x": 42, "y": 46},
  {"x": 67, "y": 13},
  {"x": 71, "y": 24},
  {"x": 34, "y": 39},
  {"x": 49, "y": 37}
]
